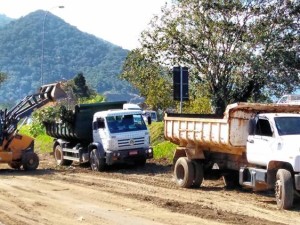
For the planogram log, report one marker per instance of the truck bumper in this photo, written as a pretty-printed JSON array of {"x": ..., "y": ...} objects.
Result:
[
  {"x": 297, "y": 182},
  {"x": 131, "y": 155}
]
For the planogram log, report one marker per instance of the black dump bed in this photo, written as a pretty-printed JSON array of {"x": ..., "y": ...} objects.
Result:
[{"x": 80, "y": 126}]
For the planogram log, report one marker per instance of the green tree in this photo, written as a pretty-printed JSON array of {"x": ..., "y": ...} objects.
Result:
[
  {"x": 80, "y": 89},
  {"x": 241, "y": 50},
  {"x": 150, "y": 79},
  {"x": 3, "y": 77}
]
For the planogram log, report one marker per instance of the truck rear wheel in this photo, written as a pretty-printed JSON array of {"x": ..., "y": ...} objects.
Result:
[
  {"x": 284, "y": 189},
  {"x": 30, "y": 161},
  {"x": 199, "y": 173},
  {"x": 59, "y": 157},
  {"x": 184, "y": 172},
  {"x": 97, "y": 163}
]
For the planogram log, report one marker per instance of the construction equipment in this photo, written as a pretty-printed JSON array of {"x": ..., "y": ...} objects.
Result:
[
  {"x": 102, "y": 134},
  {"x": 17, "y": 149},
  {"x": 254, "y": 145}
]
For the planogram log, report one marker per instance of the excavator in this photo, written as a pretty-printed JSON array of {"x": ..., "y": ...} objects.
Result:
[{"x": 17, "y": 150}]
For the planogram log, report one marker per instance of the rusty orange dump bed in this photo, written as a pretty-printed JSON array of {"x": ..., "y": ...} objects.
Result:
[{"x": 227, "y": 134}]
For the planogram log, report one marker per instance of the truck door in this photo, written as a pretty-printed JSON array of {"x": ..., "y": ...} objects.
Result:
[
  {"x": 260, "y": 143},
  {"x": 99, "y": 132}
]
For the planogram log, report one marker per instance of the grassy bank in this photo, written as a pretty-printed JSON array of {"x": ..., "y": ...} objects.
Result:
[
  {"x": 43, "y": 143},
  {"x": 162, "y": 149}
]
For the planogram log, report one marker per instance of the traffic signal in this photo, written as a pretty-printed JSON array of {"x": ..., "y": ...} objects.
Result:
[{"x": 178, "y": 80}]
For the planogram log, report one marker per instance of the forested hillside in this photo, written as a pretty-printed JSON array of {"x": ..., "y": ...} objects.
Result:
[
  {"x": 67, "y": 51},
  {"x": 4, "y": 20}
]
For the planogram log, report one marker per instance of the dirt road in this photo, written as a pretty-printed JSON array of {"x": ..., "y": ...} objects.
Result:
[{"x": 143, "y": 196}]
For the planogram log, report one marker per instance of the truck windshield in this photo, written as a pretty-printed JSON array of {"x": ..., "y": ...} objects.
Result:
[
  {"x": 287, "y": 125},
  {"x": 125, "y": 123}
]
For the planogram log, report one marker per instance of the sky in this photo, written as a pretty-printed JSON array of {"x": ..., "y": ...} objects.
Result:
[{"x": 117, "y": 21}]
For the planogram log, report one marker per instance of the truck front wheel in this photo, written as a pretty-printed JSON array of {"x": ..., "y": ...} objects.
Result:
[
  {"x": 30, "y": 161},
  {"x": 184, "y": 172},
  {"x": 97, "y": 163},
  {"x": 58, "y": 155},
  {"x": 284, "y": 190}
]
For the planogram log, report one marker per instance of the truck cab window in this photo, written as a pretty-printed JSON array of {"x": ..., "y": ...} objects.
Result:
[
  {"x": 288, "y": 125},
  {"x": 263, "y": 128}
]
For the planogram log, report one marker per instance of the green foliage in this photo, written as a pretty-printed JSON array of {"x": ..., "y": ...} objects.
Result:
[
  {"x": 3, "y": 77},
  {"x": 239, "y": 50},
  {"x": 80, "y": 89},
  {"x": 198, "y": 105},
  {"x": 162, "y": 149},
  {"x": 92, "y": 99},
  {"x": 67, "y": 51},
  {"x": 47, "y": 114},
  {"x": 150, "y": 79},
  {"x": 156, "y": 132},
  {"x": 43, "y": 143}
]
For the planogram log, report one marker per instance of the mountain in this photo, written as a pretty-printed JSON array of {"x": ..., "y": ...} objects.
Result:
[
  {"x": 4, "y": 20},
  {"x": 41, "y": 48}
]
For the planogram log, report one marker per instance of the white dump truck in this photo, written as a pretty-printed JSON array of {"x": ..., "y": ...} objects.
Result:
[
  {"x": 253, "y": 145},
  {"x": 102, "y": 134}
]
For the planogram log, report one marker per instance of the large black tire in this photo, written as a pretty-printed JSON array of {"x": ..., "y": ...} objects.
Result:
[
  {"x": 15, "y": 165},
  {"x": 184, "y": 172},
  {"x": 30, "y": 161},
  {"x": 97, "y": 164},
  {"x": 231, "y": 179},
  {"x": 199, "y": 173},
  {"x": 58, "y": 155},
  {"x": 284, "y": 189}
]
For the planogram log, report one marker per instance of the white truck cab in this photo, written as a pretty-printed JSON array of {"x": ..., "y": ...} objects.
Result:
[
  {"x": 274, "y": 138},
  {"x": 123, "y": 134}
]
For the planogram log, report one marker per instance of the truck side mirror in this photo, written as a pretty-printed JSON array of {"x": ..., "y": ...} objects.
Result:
[
  {"x": 99, "y": 123},
  {"x": 149, "y": 120}
]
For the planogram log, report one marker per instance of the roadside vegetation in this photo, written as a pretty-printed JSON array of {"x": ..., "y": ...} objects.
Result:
[
  {"x": 162, "y": 149},
  {"x": 43, "y": 143}
]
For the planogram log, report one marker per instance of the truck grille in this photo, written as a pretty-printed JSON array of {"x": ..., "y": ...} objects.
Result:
[{"x": 131, "y": 142}]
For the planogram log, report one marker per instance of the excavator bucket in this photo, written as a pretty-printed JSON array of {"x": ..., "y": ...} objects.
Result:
[{"x": 52, "y": 92}]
